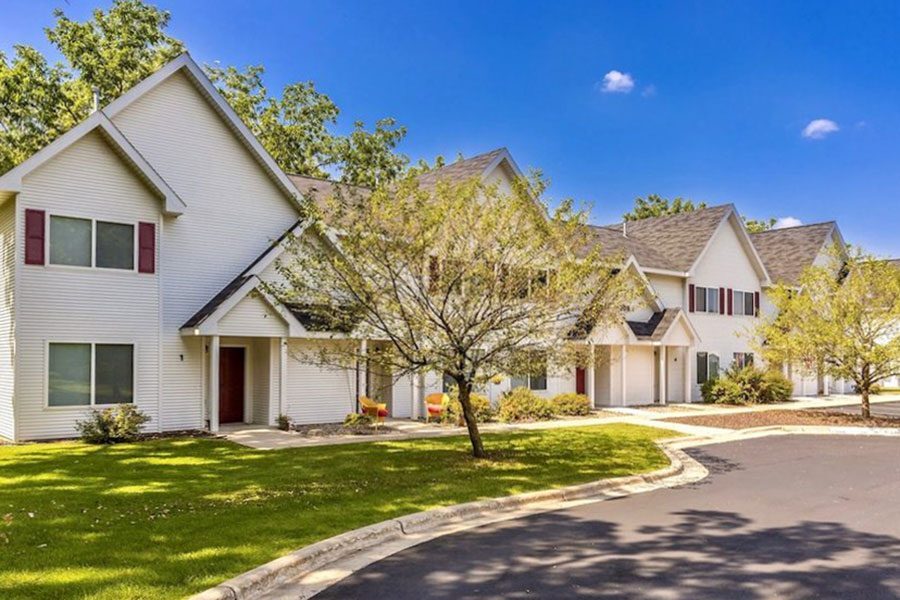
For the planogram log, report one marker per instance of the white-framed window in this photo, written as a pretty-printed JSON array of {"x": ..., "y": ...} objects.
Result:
[
  {"x": 83, "y": 242},
  {"x": 743, "y": 359},
  {"x": 706, "y": 299},
  {"x": 89, "y": 374},
  {"x": 536, "y": 381},
  {"x": 743, "y": 303},
  {"x": 707, "y": 366}
]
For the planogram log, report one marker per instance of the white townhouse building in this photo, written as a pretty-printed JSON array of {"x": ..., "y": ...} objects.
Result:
[{"x": 132, "y": 250}]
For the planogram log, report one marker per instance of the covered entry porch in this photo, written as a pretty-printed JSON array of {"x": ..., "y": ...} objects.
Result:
[{"x": 641, "y": 363}]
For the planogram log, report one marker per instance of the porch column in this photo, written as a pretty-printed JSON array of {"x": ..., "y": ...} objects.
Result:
[
  {"x": 591, "y": 377},
  {"x": 282, "y": 375},
  {"x": 624, "y": 374},
  {"x": 662, "y": 375},
  {"x": 416, "y": 395},
  {"x": 214, "y": 384},
  {"x": 362, "y": 372},
  {"x": 688, "y": 362}
]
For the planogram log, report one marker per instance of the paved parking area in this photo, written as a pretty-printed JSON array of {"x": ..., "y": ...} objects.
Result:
[{"x": 786, "y": 517}]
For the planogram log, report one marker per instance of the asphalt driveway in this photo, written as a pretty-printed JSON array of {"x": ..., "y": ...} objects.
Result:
[{"x": 778, "y": 517}]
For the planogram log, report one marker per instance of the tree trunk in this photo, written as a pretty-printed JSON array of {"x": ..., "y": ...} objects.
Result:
[
  {"x": 465, "y": 392},
  {"x": 866, "y": 413}
]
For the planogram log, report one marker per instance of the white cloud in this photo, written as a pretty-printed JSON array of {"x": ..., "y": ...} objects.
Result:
[
  {"x": 617, "y": 82},
  {"x": 787, "y": 222},
  {"x": 819, "y": 128}
]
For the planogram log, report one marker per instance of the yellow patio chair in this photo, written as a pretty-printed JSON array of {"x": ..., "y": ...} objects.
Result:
[
  {"x": 435, "y": 405},
  {"x": 376, "y": 410}
]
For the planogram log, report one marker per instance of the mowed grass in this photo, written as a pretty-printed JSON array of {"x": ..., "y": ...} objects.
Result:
[{"x": 168, "y": 518}]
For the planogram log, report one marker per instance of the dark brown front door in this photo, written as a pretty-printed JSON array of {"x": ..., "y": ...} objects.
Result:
[{"x": 231, "y": 385}]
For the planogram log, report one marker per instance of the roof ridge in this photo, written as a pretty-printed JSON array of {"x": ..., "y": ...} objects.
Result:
[
  {"x": 776, "y": 229},
  {"x": 672, "y": 216}
]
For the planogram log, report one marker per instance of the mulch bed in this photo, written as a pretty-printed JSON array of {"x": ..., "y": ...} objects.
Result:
[{"x": 745, "y": 420}]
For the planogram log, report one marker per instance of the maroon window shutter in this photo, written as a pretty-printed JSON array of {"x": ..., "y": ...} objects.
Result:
[
  {"x": 755, "y": 304},
  {"x": 34, "y": 236},
  {"x": 146, "y": 248},
  {"x": 721, "y": 301},
  {"x": 691, "y": 298},
  {"x": 730, "y": 301}
]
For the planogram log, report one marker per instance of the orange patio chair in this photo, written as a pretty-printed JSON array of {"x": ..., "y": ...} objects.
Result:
[
  {"x": 376, "y": 410},
  {"x": 435, "y": 405}
]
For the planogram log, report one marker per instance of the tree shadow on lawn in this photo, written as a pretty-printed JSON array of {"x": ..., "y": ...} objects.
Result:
[
  {"x": 702, "y": 554},
  {"x": 167, "y": 517}
]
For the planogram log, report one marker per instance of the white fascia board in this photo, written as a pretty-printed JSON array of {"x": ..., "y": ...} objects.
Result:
[
  {"x": 210, "y": 325},
  {"x": 11, "y": 181},
  {"x": 682, "y": 316},
  {"x": 649, "y": 291},
  {"x": 653, "y": 271},
  {"x": 732, "y": 217},
  {"x": 209, "y": 91}
]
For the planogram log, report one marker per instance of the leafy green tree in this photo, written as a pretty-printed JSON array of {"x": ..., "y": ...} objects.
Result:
[
  {"x": 842, "y": 318},
  {"x": 113, "y": 50},
  {"x": 657, "y": 206},
  {"x": 462, "y": 280},
  {"x": 759, "y": 225},
  {"x": 110, "y": 52}
]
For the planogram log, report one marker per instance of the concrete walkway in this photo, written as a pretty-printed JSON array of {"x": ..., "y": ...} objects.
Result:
[{"x": 270, "y": 438}]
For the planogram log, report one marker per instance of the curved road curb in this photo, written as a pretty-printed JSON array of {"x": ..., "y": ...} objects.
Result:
[{"x": 415, "y": 528}]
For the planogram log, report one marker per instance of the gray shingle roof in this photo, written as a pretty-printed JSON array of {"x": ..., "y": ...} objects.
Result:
[
  {"x": 657, "y": 327},
  {"x": 786, "y": 252},
  {"x": 672, "y": 242},
  {"x": 460, "y": 170}
]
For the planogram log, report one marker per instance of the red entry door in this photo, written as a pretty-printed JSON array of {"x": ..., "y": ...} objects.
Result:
[
  {"x": 231, "y": 385},
  {"x": 579, "y": 381}
]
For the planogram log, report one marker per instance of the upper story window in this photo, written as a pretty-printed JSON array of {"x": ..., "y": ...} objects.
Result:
[
  {"x": 706, "y": 299},
  {"x": 743, "y": 303},
  {"x": 83, "y": 242},
  {"x": 89, "y": 243}
]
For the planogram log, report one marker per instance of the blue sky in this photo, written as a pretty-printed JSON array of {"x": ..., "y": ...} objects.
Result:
[{"x": 710, "y": 99}]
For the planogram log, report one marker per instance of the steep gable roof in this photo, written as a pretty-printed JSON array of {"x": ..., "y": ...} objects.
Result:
[
  {"x": 612, "y": 242},
  {"x": 787, "y": 252},
  {"x": 476, "y": 166},
  {"x": 682, "y": 237},
  {"x": 11, "y": 181},
  {"x": 185, "y": 64}
]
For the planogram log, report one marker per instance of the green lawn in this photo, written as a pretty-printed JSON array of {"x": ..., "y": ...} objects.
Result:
[{"x": 169, "y": 518}]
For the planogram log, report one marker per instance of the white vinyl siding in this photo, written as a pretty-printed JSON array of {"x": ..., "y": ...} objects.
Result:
[
  {"x": 56, "y": 304},
  {"x": 317, "y": 394},
  {"x": 261, "y": 369},
  {"x": 725, "y": 264},
  {"x": 234, "y": 210},
  {"x": 7, "y": 317},
  {"x": 253, "y": 317}
]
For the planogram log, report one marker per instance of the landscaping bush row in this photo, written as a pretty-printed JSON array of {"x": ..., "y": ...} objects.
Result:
[
  {"x": 748, "y": 385},
  {"x": 522, "y": 404}
]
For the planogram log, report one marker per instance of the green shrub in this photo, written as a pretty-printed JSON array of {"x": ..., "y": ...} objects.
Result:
[
  {"x": 119, "y": 423},
  {"x": 748, "y": 385},
  {"x": 571, "y": 404},
  {"x": 480, "y": 404},
  {"x": 284, "y": 422},
  {"x": 358, "y": 422},
  {"x": 521, "y": 404}
]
